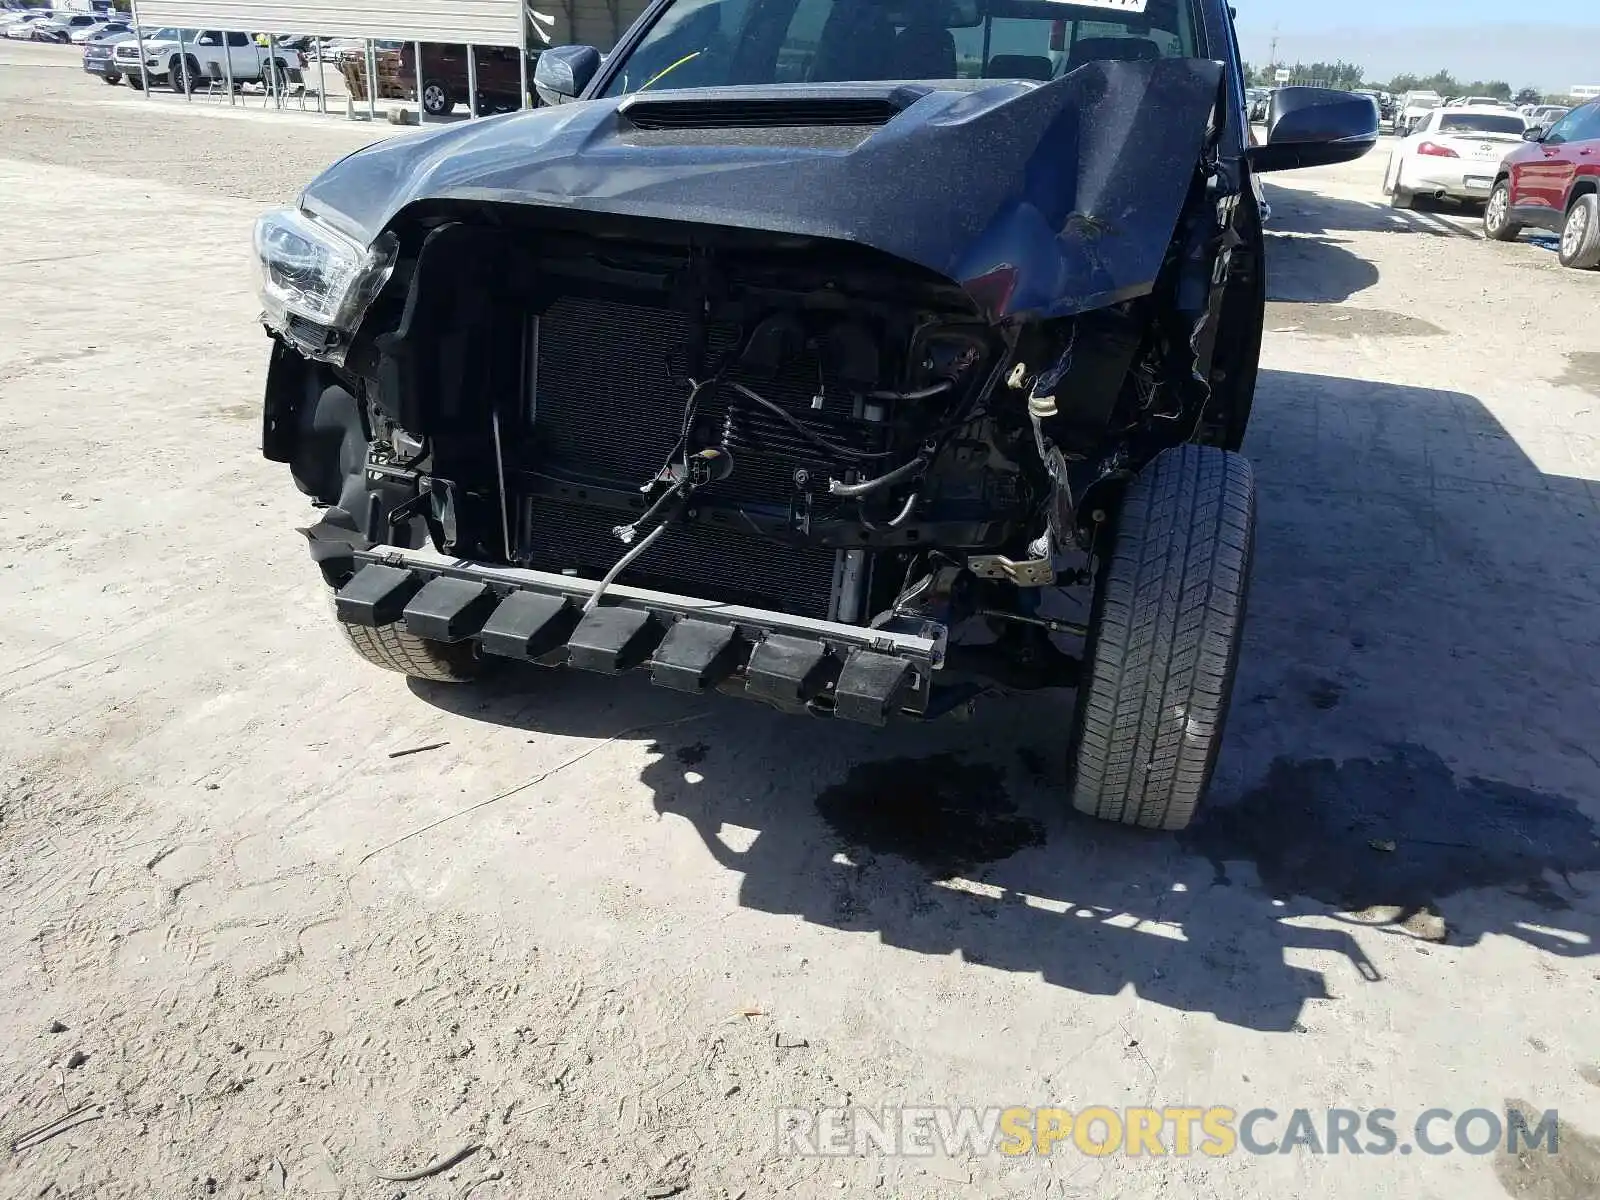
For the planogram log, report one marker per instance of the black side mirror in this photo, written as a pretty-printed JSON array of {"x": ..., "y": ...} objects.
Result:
[
  {"x": 1534, "y": 133},
  {"x": 562, "y": 72},
  {"x": 1315, "y": 127}
]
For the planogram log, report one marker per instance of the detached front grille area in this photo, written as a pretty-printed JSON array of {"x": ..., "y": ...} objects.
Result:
[
  {"x": 608, "y": 407},
  {"x": 703, "y": 561}
]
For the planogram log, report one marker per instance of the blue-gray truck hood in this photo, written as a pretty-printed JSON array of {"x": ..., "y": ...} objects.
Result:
[{"x": 1038, "y": 199}]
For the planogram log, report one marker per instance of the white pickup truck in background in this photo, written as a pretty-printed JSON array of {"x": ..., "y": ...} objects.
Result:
[
  {"x": 1413, "y": 109},
  {"x": 165, "y": 55}
]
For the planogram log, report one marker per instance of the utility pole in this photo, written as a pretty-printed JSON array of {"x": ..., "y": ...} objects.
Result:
[{"x": 1273, "y": 56}]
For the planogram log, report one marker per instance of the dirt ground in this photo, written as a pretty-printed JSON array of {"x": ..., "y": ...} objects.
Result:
[{"x": 604, "y": 932}]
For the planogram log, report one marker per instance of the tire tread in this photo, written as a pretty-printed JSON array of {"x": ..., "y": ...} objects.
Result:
[
  {"x": 395, "y": 648},
  {"x": 1165, "y": 647}
]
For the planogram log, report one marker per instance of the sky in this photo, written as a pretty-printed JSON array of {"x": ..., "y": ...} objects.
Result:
[{"x": 1554, "y": 44}]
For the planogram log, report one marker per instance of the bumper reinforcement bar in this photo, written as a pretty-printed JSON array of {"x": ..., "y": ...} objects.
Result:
[{"x": 692, "y": 645}]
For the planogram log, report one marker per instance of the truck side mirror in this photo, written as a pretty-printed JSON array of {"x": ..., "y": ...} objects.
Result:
[
  {"x": 562, "y": 72},
  {"x": 1315, "y": 127}
]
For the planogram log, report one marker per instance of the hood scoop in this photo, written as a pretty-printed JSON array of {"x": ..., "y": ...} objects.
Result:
[{"x": 763, "y": 110}]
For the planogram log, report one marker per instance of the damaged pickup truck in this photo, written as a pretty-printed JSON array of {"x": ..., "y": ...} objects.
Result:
[{"x": 854, "y": 356}]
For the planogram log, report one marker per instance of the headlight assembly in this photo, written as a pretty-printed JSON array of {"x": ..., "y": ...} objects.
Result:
[{"x": 309, "y": 271}]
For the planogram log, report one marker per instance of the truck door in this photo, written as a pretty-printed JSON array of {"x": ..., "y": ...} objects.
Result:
[{"x": 242, "y": 57}]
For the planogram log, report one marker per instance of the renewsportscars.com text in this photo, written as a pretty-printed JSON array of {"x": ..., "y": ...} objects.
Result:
[{"x": 1181, "y": 1130}]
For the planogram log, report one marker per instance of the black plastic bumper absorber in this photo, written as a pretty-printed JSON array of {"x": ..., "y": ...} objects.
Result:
[
  {"x": 871, "y": 686},
  {"x": 376, "y": 595},
  {"x": 529, "y": 625},
  {"x": 449, "y": 610},
  {"x": 789, "y": 671},
  {"x": 611, "y": 640},
  {"x": 697, "y": 655}
]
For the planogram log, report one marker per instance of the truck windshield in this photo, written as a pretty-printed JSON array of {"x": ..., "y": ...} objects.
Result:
[{"x": 722, "y": 43}]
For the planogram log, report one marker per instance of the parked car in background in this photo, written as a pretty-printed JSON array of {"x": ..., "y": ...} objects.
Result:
[
  {"x": 1543, "y": 116},
  {"x": 1383, "y": 100},
  {"x": 1413, "y": 108},
  {"x": 60, "y": 26},
  {"x": 1553, "y": 182},
  {"x": 88, "y": 33},
  {"x": 334, "y": 49},
  {"x": 1454, "y": 154},
  {"x": 444, "y": 76},
  {"x": 20, "y": 28},
  {"x": 98, "y": 57}
]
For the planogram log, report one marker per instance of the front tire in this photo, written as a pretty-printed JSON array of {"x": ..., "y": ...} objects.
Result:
[
  {"x": 436, "y": 99},
  {"x": 1497, "y": 223},
  {"x": 394, "y": 648},
  {"x": 1580, "y": 237},
  {"x": 176, "y": 76},
  {"x": 1164, "y": 640}
]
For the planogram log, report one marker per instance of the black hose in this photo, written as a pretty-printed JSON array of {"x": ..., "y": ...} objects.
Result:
[
  {"x": 903, "y": 472},
  {"x": 927, "y": 393}
]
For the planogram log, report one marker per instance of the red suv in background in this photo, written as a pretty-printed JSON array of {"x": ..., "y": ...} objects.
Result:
[{"x": 1553, "y": 183}]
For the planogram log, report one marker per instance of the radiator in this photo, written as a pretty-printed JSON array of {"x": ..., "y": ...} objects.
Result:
[{"x": 606, "y": 405}]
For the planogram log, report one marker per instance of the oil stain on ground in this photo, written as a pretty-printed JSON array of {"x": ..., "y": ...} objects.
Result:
[
  {"x": 692, "y": 756},
  {"x": 940, "y": 813},
  {"x": 1533, "y": 1173},
  {"x": 1583, "y": 372},
  {"x": 1343, "y": 321},
  {"x": 1401, "y": 831}
]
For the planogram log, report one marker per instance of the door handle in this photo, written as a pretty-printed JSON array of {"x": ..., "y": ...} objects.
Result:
[{"x": 1585, "y": 151}]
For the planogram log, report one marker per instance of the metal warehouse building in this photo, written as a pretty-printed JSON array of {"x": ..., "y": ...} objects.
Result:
[{"x": 477, "y": 22}]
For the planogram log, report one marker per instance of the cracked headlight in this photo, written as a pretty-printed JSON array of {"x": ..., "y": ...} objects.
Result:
[{"x": 309, "y": 273}]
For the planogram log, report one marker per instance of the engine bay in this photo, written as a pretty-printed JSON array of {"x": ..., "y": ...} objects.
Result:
[
  {"x": 775, "y": 422},
  {"x": 793, "y": 434}
]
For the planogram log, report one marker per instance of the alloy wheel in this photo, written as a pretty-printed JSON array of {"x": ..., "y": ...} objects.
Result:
[
  {"x": 1496, "y": 215},
  {"x": 1577, "y": 228}
]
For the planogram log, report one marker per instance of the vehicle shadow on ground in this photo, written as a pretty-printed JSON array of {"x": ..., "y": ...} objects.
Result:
[
  {"x": 1306, "y": 213},
  {"x": 1306, "y": 262},
  {"x": 1423, "y": 595}
]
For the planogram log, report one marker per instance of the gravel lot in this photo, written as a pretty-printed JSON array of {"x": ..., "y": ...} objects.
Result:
[{"x": 604, "y": 931}]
